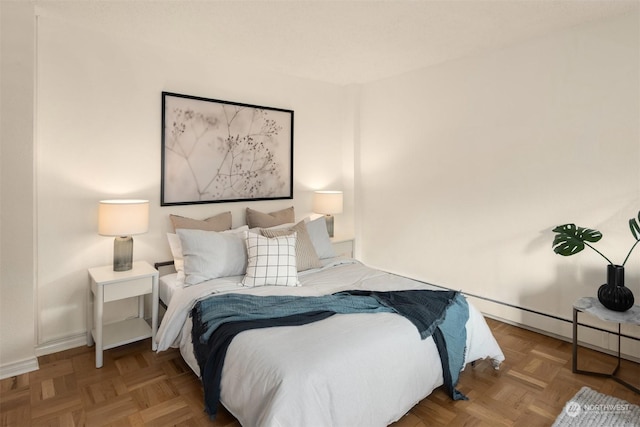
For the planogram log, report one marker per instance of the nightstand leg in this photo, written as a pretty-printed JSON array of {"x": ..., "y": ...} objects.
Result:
[
  {"x": 89, "y": 315},
  {"x": 141, "y": 306},
  {"x": 615, "y": 371},
  {"x": 574, "y": 361},
  {"x": 154, "y": 313},
  {"x": 98, "y": 305}
]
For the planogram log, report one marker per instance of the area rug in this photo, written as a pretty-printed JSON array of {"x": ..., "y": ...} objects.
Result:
[{"x": 588, "y": 408}]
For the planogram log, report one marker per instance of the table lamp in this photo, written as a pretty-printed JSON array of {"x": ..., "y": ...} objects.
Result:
[
  {"x": 122, "y": 219},
  {"x": 328, "y": 203}
]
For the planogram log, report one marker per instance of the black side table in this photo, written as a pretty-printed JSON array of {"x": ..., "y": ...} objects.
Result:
[{"x": 593, "y": 307}]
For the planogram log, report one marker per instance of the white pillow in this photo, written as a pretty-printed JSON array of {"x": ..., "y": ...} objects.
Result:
[
  {"x": 176, "y": 251},
  {"x": 178, "y": 259},
  {"x": 211, "y": 254},
  {"x": 320, "y": 239},
  {"x": 271, "y": 261}
]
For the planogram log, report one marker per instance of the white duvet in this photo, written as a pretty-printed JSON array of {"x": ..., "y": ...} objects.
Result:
[{"x": 348, "y": 370}]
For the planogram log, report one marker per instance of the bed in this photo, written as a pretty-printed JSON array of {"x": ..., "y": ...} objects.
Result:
[{"x": 350, "y": 369}]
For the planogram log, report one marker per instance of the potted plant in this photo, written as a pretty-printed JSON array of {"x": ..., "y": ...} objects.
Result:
[{"x": 571, "y": 239}]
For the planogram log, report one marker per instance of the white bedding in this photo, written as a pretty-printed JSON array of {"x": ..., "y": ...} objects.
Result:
[
  {"x": 348, "y": 370},
  {"x": 169, "y": 284}
]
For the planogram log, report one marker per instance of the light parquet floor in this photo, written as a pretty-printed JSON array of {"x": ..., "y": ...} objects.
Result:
[{"x": 137, "y": 387}]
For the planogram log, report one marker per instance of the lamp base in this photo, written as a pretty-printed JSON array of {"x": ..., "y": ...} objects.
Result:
[
  {"x": 122, "y": 253},
  {"x": 329, "y": 220}
]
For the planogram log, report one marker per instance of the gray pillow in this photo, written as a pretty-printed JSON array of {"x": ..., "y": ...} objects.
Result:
[{"x": 320, "y": 238}]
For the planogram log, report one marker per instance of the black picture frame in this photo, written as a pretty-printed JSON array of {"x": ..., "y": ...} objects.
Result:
[{"x": 216, "y": 151}]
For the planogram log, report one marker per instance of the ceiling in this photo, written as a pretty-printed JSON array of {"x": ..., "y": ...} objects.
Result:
[{"x": 341, "y": 42}]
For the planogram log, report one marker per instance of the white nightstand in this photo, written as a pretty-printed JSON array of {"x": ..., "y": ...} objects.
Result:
[
  {"x": 108, "y": 285},
  {"x": 343, "y": 247}
]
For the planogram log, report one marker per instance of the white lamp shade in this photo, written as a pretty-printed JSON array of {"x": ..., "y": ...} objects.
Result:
[
  {"x": 327, "y": 202},
  {"x": 123, "y": 217}
]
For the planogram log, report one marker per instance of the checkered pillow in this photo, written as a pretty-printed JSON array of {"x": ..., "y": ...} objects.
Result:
[{"x": 271, "y": 261}]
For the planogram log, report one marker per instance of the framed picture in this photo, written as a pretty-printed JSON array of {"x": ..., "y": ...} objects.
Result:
[{"x": 219, "y": 151}]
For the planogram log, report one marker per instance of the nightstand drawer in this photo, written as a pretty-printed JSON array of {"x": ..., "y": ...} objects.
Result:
[{"x": 127, "y": 289}]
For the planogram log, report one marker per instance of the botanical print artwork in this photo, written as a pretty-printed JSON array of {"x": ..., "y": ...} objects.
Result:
[{"x": 216, "y": 151}]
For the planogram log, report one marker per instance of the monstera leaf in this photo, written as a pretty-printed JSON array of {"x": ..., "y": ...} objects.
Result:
[
  {"x": 635, "y": 228},
  {"x": 571, "y": 239},
  {"x": 635, "y": 232}
]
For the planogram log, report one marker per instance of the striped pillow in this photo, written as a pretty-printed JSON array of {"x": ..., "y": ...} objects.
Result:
[{"x": 306, "y": 255}]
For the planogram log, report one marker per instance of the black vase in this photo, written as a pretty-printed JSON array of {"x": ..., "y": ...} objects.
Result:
[{"x": 613, "y": 294}]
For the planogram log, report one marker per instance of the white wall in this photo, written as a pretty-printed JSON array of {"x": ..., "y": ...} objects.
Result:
[
  {"x": 17, "y": 239},
  {"x": 466, "y": 167},
  {"x": 99, "y": 137}
]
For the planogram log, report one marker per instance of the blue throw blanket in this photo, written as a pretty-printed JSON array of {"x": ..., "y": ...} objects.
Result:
[{"x": 218, "y": 319}]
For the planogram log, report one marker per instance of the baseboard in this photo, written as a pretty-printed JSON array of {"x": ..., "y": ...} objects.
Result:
[
  {"x": 31, "y": 364},
  {"x": 66, "y": 343},
  {"x": 18, "y": 368},
  {"x": 562, "y": 338},
  {"x": 61, "y": 344}
]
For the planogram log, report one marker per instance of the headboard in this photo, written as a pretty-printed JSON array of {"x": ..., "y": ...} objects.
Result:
[{"x": 166, "y": 266}]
